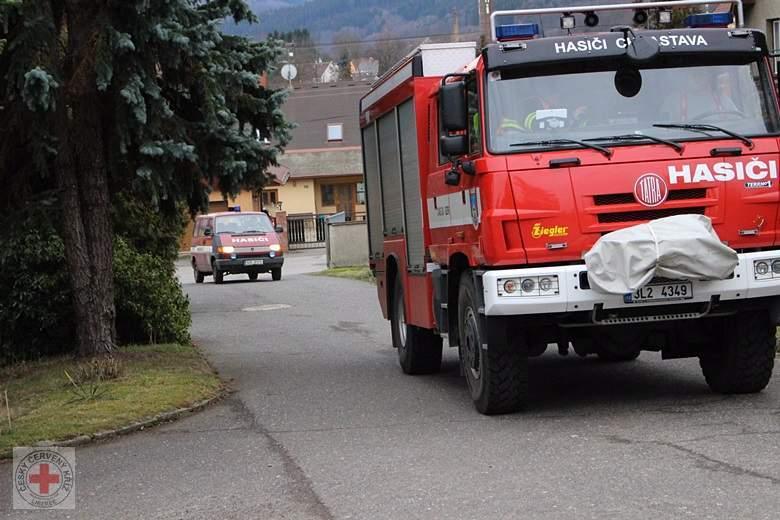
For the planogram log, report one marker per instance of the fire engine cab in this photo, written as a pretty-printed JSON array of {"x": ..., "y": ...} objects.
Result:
[{"x": 491, "y": 174}]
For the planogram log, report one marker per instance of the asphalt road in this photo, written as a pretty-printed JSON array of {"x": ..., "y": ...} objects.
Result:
[{"x": 323, "y": 424}]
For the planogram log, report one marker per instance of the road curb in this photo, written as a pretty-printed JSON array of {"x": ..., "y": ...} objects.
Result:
[{"x": 169, "y": 416}]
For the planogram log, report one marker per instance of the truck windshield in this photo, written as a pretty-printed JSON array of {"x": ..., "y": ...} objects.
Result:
[
  {"x": 538, "y": 112},
  {"x": 247, "y": 223}
]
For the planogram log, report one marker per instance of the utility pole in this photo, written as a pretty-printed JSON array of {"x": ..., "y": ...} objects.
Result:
[{"x": 484, "y": 9}]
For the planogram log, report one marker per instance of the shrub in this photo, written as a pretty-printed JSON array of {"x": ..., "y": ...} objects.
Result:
[
  {"x": 35, "y": 309},
  {"x": 150, "y": 304},
  {"x": 36, "y": 317}
]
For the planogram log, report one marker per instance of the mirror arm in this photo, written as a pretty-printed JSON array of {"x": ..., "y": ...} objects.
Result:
[{"x": 454, "y": 75}]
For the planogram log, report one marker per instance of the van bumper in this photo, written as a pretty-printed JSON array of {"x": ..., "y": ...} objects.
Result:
[
  {"x": 571, "y": 294},
  {"x": 239, "y": 265}
]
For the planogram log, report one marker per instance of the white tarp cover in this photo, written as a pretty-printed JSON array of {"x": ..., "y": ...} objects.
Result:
[{"x": 682, "y": 247}]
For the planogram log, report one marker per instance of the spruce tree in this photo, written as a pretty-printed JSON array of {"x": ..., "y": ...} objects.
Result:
[{"x": 142, "y": 97}]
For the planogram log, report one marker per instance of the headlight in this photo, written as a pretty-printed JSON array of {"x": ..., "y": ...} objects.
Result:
[
  {"x": 528, "y": 285},
  {"x": 776, "y": 267},
  {"x": 276, "y": 247},
  {"x": 226, "y": 249},
  {"x": 762, "y": 268}
]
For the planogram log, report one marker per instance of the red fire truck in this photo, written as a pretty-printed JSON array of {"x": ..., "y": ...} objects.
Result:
[{"x": 490, "y": 174}]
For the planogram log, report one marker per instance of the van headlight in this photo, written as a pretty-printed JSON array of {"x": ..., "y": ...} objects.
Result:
[
  {"x": 226, "y": 250},
  {"x": 275, "y": 247}
]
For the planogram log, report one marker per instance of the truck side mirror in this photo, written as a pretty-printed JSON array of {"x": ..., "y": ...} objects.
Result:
[
  {"x": 453, "y": 145},
  {"x": 453, "y": 108},
  {"x": 279, "y": 229},
  {"x": 207, "y": 232}
]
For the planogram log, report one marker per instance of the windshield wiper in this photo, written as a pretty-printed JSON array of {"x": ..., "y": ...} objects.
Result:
[
  {"x": 551, "y": 142},
  {"x": 639, "y": 137},
  {"x": 695, "y": 127}
]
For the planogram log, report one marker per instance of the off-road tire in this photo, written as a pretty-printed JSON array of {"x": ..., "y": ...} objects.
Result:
[
  {"x": 198, "y": 275},
  {"x": 419, "y": 349},
  {"x": 743, "y": 363},
  {"x": 276, "y": 274},
  {"x": 497, "y": 376},
  {"x": 253, "y": 276}
]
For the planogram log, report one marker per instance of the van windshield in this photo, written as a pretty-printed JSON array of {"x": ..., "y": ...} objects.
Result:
[
  {"x": 246, "y": 223},
  {"x": 532, "y": 112}
]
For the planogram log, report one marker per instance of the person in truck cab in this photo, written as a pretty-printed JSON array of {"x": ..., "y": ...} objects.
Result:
[
  {"x": 706, "y": 95},
  {"x": 545, "y": 110}
]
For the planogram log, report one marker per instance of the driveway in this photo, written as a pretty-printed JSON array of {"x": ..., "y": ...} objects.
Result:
[{"x": 324, "y": 425}]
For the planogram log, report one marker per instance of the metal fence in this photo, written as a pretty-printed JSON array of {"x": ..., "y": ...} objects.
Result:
[{"x": 306, "y": 232}]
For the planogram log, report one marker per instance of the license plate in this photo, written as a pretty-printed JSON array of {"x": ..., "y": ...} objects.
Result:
[
  {"x": 658, "y": 292},
  {"x": 253, "y": 262}
]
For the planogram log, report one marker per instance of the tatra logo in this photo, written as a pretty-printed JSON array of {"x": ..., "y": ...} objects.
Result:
[
  {"x": 539, "y": 231},
  {"x": 650, "y": 190},
  {"x": 754, "y": 170}
]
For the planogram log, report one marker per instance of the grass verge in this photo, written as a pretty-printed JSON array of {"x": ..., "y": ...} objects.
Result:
[
  {"x": 361, "y": 273},
  {"x": 153, "y": 379}
]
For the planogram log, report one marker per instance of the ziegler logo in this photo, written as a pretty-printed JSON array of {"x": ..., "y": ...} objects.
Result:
[
  {"x": 539, "y": 231},
  {"x": 650, "y": 190}
]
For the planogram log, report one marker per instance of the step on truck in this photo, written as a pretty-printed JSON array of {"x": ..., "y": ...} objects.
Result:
[{"x": 491, "y": 172}]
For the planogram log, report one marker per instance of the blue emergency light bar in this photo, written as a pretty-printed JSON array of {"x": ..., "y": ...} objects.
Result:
[
  {"x": 517, "y": 31},
  {"x": 709, "y": 20}
]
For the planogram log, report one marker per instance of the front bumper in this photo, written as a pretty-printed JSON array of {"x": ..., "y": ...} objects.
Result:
[
  {"x": 572, "y": 297},
  {"x": 239, "y": 265}
]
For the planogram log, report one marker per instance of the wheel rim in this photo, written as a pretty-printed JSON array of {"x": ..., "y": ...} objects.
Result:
[
  {"x": 472, "y": 352},
  {"x": 400, "y": 313}
]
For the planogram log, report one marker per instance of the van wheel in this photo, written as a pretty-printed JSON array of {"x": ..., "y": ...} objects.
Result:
[
  {"x": 219, "y": 276},
  {"x": 743, "y": 363},
  {"x": 419, "y": 349},
  {"x": 198, "y": 275},
  {"x": 276, "y": 274},
  {"x": 497, "y": 376},
  {"x": 253, "y": 277}
]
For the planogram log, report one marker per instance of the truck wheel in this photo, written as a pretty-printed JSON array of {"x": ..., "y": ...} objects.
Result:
[
  {"x": 419, "y": 349},
  {"x": 743, "y": 363},
  {"x": 276, "y": 274},
  {"x": 198, "y": 275},
  {"x": 497, "y": 376},
  {"x": 219, "y": 276},
  {"x": 253, "y": 277}
]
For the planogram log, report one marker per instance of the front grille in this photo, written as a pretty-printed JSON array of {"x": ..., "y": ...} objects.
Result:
[
  {"x": 650, "y": 214},
  {"x": 628, "y": 198}
]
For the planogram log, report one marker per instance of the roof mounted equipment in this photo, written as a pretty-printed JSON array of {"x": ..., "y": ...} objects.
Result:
[{"x": 636, "y": 7}]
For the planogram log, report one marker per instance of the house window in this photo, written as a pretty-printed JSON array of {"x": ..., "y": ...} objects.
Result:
[
  {"x": 361, "y": 193},
  {"x": 328, "y": 194},
  {"x": 335, "y": 132},
  {"x": 270, "y": 198}
]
